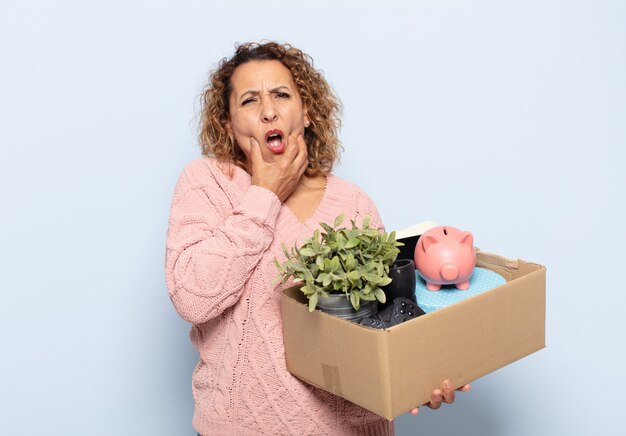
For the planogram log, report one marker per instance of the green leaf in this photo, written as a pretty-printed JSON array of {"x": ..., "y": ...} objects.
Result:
[
  {"x": 368, "y": 297},
  {"x": 354, "y": 275},
  {"x": 327, "y": 279},
  {"x": 366, "y": 221},
  {"x": 384, "y": 281},
  {"x": 390, "y": 256},
  {"x": 339, "y": 220},
  {"x": 350, "y": 262},
  {"x": 371, "y": 232},
  {"x": 295, "y": 266},
  {"x": 372, "y": 278},
  {"x": 313, "y": 302},
  {"x": 326, "y": 227},
  {"x": 380, "y": 295},
  {"x": 334, "y": 264},
  {"x": 354, "y": 300},
  {"x": 320, "y": 262},
  {"x": 352, "y": 242},
  {"x": 308, "y": 252},
  {"x": 307, "y": 290},
  {"x": 341, "y": 241}
]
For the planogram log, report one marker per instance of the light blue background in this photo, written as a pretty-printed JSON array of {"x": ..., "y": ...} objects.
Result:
[{"x": 504, "y": 118}]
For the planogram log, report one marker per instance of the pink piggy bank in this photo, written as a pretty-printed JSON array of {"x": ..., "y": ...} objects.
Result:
[{"x": 445, "y": 256}]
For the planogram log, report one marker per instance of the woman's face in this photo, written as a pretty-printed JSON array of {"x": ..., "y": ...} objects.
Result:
[{"x": 265, "y": 105}]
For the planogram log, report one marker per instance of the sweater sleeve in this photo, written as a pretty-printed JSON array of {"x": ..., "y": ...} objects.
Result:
[{"x": 212, "y": 248}]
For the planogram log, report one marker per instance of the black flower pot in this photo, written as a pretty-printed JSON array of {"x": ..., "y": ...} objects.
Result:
[{"x": 402, "y": 274}]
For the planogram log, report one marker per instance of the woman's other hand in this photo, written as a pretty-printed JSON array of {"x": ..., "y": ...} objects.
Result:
[
  {"x": 281, "y": 176},
  {"x": 444, "y": 395}
]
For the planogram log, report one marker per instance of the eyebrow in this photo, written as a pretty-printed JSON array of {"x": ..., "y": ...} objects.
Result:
[{"x": 253, "y": 92}]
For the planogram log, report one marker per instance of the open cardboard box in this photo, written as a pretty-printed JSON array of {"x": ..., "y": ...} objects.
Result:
[{"x": 389, "y": 372}]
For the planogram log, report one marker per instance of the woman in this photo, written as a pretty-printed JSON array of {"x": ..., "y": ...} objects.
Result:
[{"x": 269, "y": 137}]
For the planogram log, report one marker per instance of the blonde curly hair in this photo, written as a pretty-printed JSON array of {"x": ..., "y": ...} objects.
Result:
[{"x": 323, "y": 106}]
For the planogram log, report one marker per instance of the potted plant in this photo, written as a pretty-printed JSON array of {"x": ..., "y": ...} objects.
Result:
[{"x": 343, "y": 269}]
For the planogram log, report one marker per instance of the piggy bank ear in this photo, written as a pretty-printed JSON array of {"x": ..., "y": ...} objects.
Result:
[
  {"x": 427, "y": 241},
  {"x": 466, "y": 238}
]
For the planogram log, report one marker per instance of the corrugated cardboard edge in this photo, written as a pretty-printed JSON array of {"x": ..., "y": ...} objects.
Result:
[{"x": 487, "y": 260}]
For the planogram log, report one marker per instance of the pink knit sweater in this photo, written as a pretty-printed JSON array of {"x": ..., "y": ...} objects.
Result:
[{"x": 223, "y": 236}]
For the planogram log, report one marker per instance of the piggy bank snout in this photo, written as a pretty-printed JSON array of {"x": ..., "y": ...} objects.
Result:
[{"x": 449, "y": 272}]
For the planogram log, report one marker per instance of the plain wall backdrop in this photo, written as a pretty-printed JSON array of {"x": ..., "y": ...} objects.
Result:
[{"x": 506, "y": 118}]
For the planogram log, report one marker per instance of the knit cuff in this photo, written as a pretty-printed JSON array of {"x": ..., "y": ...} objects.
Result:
[{"x": 262, "y": 203}]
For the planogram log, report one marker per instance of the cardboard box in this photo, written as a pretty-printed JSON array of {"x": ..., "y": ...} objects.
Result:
[{"x": 389, "y": 372}]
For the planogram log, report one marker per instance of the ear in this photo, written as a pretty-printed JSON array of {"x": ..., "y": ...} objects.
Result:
[
  {"x": 307, "y": 121},
  {"x": 466, "y": 238},
  {"x": 428, "y": 240},
  {"x": 229, "y": 128}
]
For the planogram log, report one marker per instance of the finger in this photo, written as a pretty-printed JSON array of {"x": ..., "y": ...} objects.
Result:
[
  {"x": 448, "y": 392},
  {"x": 301, "y": 144},
  {"x": 435, "y": 400},
  {"x": 303, "y": 167},
  {"x": 255, "y": 152},
  {"x": 464, "y": 388},
  {"x": 292, "y": 147},
  {"x": 415, "y": 411},
  {"x": 303, "y": 154}
]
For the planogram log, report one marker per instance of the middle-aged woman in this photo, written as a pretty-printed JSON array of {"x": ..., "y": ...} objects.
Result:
[{"x": 269, "y": 139}]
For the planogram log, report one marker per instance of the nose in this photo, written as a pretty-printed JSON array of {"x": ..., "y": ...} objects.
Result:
[{"x": 268, "y": 111}]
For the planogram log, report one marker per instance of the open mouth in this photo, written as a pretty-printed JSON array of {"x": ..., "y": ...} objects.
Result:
[{"x": 274, "y": 141}]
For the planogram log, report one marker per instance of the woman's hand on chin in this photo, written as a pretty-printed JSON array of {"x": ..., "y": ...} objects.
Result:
[
  {"x": 281, "y": 176},
  {"x": 443, "y": 395}
]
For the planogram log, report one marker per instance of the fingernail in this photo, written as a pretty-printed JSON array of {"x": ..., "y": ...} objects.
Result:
[{"x": 447, "y": 384}]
